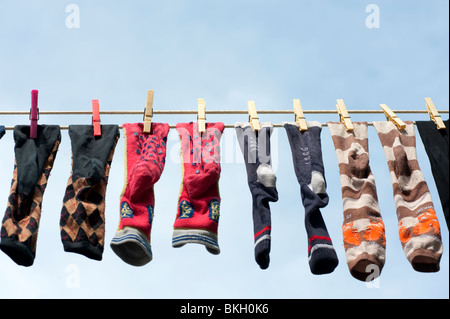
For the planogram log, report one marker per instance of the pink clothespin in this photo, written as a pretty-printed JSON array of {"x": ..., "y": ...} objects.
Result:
[
  {"x": 34, "y": 113},
  {"x": 96, "y": 118}
]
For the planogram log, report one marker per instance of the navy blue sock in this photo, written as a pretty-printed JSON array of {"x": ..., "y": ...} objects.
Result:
[
  {"x": 255, "y": 148},
  {"x": 309, "y": 169}
]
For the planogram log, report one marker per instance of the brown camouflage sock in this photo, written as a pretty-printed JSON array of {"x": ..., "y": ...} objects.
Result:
[
  {"x": 419, "y": 228},
  {"x": 363, "y": 228}
]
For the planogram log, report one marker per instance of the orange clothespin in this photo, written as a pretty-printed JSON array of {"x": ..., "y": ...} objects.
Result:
[
  {"x": 343, "y": 115},
  {"x": 201, "y": 116},
  {"x": 434, "y": 115},
  {"x": 299, "y": 116},
  {"x": 253, "y": 116},
  {"x": 391, "y": 116},
  {"x": 148, "y": 112},
  {"x": 96, "y": 118}
]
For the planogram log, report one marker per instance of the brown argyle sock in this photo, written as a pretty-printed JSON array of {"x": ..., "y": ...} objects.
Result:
[
  {"x": 82, "y": 221},
  {"x": 34, "y": 160}
]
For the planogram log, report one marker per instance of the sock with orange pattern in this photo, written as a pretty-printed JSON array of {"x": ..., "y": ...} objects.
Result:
[{"x": 419, "y": 229}]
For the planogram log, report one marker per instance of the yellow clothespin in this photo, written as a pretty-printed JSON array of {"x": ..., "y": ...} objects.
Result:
[
  {"x": 434, "y": 115},
  {"x": 148, "y": 112},
  {"x": 201, "y": 117},
  {"x": 253, "y": 116},
  {"x": 343, "y": 115},
  {"x": 299, "y": 116},
  {"x": 391, "y": 116}
]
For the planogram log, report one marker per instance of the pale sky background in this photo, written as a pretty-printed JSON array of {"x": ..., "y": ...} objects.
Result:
[{"x": 227, "y": 52}]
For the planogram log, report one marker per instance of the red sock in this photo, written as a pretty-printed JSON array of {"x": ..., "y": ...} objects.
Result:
[
  {"x": 145, "y": 159},
  {"x": 199, "y": 202}
]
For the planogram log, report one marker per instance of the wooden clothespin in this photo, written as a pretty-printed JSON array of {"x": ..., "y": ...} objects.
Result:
[
  {"x": 299, "y": 116},
  {"x": 343, "y": 115},
  {"x": 201, "y": 116},
  {"x": 434, "y": 114},
  {"x": 34, "y": 113},
  {"x": 253, "y": 116},
  {"x": 391, "y": 116},
  {"x": 148, "y": 112},
  {"x": 96, "y": 118}
]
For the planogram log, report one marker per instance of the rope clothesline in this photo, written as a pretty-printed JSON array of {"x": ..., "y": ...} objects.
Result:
[{"x": 228, "y": 112}]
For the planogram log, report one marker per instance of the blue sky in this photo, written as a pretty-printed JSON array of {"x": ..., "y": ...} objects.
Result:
[{"x": 226, "y": 52}]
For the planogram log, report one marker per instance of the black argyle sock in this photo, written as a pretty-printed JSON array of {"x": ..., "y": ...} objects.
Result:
[{"x": 82, "y": 221}]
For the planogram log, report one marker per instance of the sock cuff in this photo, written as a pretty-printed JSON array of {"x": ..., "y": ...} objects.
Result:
[
  {"x": 132, "y": 246},
  {"x": 183, "y": 236},
  {"x": 18, "y": 251},
  {"x": 308, "y": 123},
  {"x": 84, "y": 248}
]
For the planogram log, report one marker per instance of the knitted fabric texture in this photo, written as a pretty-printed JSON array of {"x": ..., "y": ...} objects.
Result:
[
  {"x": 33, "y": 163},
  {"x": 197, "y": 219},
  {"x": 82, "y": 220},
  {"x": 255, "y": 148},
  {"x": 418, "y": 225},
  {"x": 436, "y": 146},
  {"x": 363, "y": 228},
  {"x": 308, "y": 166},
  {"x": 145, "y": 156}
]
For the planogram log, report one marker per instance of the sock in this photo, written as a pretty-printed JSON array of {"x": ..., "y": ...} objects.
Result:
[
  {"x": 2, "y": 131},
  {"x": 145, "y": 156},
  {"x": 309, "y": 169},
  {"x": 82, "y": 220},
  {"x": 436, "y": 146},
  {"x": 34, "y": 160},
  {"x": 255, "y": 148},
  {"x": 198, "y": 212},
  {"x": 363, "y": 228},
  {"x": 418, "y": 225}
]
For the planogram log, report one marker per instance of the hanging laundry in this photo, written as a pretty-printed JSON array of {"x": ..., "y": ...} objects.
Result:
[
  {"x": 308, "y": 166},
  {"x": 363, "y": 228},
  {"x": 145, "y": 157},
  {"x": 197, "y": 219},
  {"x": 418, "y": 225},
  {"x": 436, "y": 146},
  {"x": 2, "y": 131},
  {"x": 34, "y": 160},
  {"x": 261, "y": 179},
  {"x": 82, "y": 220}
]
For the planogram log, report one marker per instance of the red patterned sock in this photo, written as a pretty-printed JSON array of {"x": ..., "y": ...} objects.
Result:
[
  {"x": 144, "y": 164},
  {"x": 199, "y": 201}
]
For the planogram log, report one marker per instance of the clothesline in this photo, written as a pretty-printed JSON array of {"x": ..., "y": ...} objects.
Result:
[
  {"x": 228, "y": 112},
  {"x": 176, "y": 112}
]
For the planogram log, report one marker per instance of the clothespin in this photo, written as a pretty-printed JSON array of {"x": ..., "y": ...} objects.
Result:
[
  {"x": 34, "y": 113},
  {"x": 434, "y": 115},
  {"x": 148, "y": 112},
  {"x": 201, "y": 116},
  {"x": 96, "y": 118},
  {"x": 391, "y": 116},
  {"x": 253, "y": 116},
  {"x": 343, "y": 115},
  {"x": 299, "y": 116}
]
